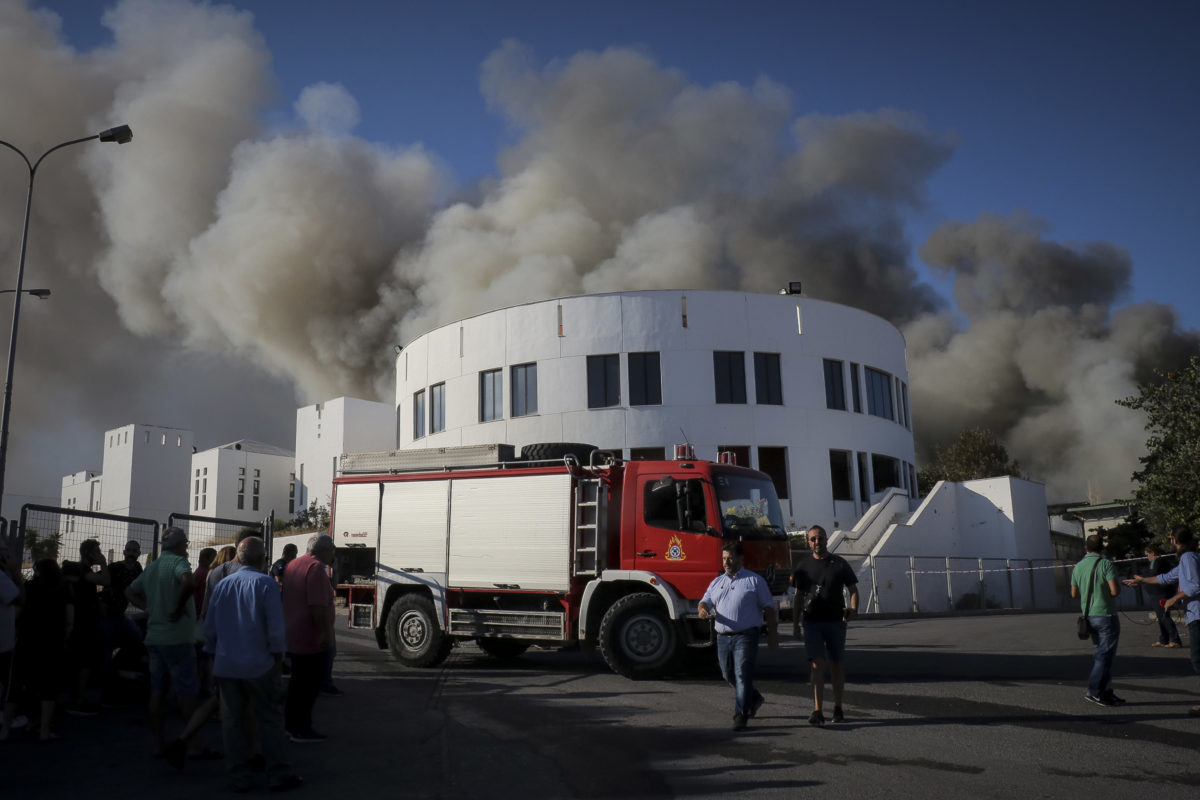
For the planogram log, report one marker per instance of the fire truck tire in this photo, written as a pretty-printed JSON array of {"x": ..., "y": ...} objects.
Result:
[
  {"x": 637, "y": 638},
  {"x": 413, "y": 633},
  {"x": 548, "y": 451},
  {"x": 503, "y": 649}
]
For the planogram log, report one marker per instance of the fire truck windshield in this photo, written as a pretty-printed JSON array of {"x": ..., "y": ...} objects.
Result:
[{"x": 749, "y": 507}]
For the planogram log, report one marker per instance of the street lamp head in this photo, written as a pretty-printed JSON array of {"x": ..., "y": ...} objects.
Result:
[
  {"x": 122, "y": 134},
  {"x": 40, "y": 294}
]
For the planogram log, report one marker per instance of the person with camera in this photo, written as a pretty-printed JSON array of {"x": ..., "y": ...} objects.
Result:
[
  {"x": 86, "y": 579},
  {"x": 822, "y": 579}
]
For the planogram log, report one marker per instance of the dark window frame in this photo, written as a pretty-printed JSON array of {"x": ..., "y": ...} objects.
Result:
[
  {"x": 645, "y": 378},
  {"x": 604, "y": 380},
  {"x": 729, "y": 377},
  {"x": 768, "y": 379}
]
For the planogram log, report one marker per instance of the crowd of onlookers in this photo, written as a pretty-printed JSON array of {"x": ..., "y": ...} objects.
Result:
[{"x": 217, "y": 641}]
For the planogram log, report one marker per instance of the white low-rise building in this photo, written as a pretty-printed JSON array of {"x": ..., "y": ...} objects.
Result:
[
  {"x": 243, "y": 480},
  {"x": 325, "y": 431},
  {"x": 815, "y": 394}
]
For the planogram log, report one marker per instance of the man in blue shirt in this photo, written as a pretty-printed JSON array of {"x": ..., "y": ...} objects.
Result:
[
  {"x": 737, "y": 600},
  {"x": 1186, "y": 576},
  {"x": 244, "y": 632}
]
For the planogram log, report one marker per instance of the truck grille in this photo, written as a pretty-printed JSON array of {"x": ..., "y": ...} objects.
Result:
[{"x": 778, "y": 579}]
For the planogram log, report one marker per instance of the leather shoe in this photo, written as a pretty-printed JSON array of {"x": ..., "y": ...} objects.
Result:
[
  {"x": 756, "y": 705},
  {"x": 739, "y": 722}
]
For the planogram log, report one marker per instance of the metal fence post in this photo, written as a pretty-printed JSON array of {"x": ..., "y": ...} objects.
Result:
[
  {"x": 874, "y": 583},
  {"x": 982, "y": 601},
  {"x": 1012, "y": 601},
  {"x": 912, "y": 576},
  {"x": 1032, "y": 590},
  {"x": 949, "y": 587}
]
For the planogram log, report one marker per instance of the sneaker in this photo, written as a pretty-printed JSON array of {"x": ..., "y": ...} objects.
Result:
[
  {"x": 816, "y": 718},
  {"x": 838, "y": 716},
  {"x": 756, "y": 705},
  {"x": 1112, "y": 697},
  {"x": 19, "y": 721},
  {"x": 309, "y": 737},
  {"x": 1100, "y": 701},
  {"x": 332, "y": 691},
  {"x": 739, "y": 722}
]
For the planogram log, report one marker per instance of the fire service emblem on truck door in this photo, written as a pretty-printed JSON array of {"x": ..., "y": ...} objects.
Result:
[{"x": 675, "y": 551}]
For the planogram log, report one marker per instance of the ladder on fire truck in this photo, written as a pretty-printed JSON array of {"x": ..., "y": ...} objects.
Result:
[{"x": 590, "y": 507}]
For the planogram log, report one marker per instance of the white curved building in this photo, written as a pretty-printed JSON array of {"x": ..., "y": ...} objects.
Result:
[{"x": 813, "y": 393}]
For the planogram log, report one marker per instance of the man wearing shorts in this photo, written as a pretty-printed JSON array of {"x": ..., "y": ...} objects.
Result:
[
  {"x": 165, "y": 591},
  {"x": 819, "y": 580}
]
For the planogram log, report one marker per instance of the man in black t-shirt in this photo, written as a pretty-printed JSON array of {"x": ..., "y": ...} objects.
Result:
[{"x": 819, "y": 580}]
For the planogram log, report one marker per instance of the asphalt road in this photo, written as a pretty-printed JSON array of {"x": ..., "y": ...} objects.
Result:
[{"x": 949, "y": 707}]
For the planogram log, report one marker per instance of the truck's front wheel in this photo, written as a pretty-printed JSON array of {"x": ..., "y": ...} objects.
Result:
[
  {"x": 637, "y": 637},
  {"x": 413, "y": 633}
]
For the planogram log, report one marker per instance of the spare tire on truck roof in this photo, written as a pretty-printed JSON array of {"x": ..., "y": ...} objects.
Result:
[{"x": 553, "y": 451}]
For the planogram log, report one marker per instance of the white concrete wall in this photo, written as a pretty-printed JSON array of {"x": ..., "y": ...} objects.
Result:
[
  {"x": 801, "y": 330},
  {"x": 145, "y": 471},
  {"x": 220, "y": 469},
  {"x": 81, "y": 491},
  {"x": 325, "y": 431}
]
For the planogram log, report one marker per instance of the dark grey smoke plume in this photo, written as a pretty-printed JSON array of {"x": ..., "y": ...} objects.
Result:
[{"x": 205, "y": 270}]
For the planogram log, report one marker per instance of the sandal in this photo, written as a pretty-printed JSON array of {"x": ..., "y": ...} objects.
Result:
[
  {"x": 1158, "y": 644},
  {"x": 1173, "y": 644}
]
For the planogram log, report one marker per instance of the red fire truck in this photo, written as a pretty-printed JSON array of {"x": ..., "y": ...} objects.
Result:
[{"x": 561, "y": 546}]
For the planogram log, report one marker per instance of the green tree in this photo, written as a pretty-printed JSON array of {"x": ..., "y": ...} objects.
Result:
[
  {"x": 40, "y": 547},
  {"x": 1128, "y": 539},
  {"x": 1167, "y": 482},
  {"x": 977, "y": 453}
]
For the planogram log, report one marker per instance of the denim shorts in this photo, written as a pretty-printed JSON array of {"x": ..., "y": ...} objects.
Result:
[
  {"x": 173, "y": 665},
  {"x": 825, "y": 641}
]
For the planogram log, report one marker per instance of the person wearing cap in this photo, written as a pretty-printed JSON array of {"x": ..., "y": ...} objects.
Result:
[{"x": 165, "y": 591}]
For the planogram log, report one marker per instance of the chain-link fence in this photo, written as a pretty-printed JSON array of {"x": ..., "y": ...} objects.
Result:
[
  {"x": 216, "y": 533},
  {"x": 51, "y": 532}
]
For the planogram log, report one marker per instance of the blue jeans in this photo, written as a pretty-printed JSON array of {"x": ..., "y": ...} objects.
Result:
[
  {"x": 737, "y": 653},
  {"x": 1106, "y": 631}
]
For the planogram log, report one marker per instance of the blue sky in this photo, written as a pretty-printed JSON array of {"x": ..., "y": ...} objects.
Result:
[{"x": 1082, "y": 113}]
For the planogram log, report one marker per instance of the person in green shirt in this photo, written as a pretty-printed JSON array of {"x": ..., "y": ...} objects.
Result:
[
  {"x": 1094, "y": 581},
  {"x": 165, "y": 591}
]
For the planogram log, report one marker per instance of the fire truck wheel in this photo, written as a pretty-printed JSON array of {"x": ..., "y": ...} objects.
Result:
[
  {"x": 637, "y": 637},
  {"x": 413, "y": 633},
  {"x": 502, "y": 649},
  {"x": 550, "y": 451}
]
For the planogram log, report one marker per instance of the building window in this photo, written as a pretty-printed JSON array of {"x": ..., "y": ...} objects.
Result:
[
  {"x": 773, "y": 461},
  {"x": 647, "y": 454},
  {"x": 604, "y": 381},
  {"x": 254, "y": 503},
  {"x": 203, "y": 502},
  {"x": 146, "y": 438},
  {"x": 645, "y": 380},
  {"x": 886, "y": 471},
  {"x": 835, "y": 385},
  {"x": 241, "y": 470},
  {"x": 241, "y": 485},
  {"x": 907, "y": 409},
  {"x": 879, "y": 395},
  {"x": 179, "y": 441},
  {"x": 241, "y": 501},
  {"x": 768, "y": 386},
  {"x": 257, "y": 472},
  {"x": 864, "y": 477},
  {"x": 419, "y": 414},
  {"x": 855, "y": 392},
  {"x": 164, "y": 440},
  {"x": 491, "y": 395},
  {"x": 840, "y": 475},
  {"x": 729, "y": 376},
  {"x": 524, "y": 390},
  {"x": 437, "y": 408},
  {"x": 196, "y": 503}
]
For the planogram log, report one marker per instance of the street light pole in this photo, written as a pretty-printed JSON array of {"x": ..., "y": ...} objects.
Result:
[{"x": 121, "y": 135}]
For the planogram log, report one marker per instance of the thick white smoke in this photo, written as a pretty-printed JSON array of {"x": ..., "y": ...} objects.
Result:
[{"x": 222, "y": 262}]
